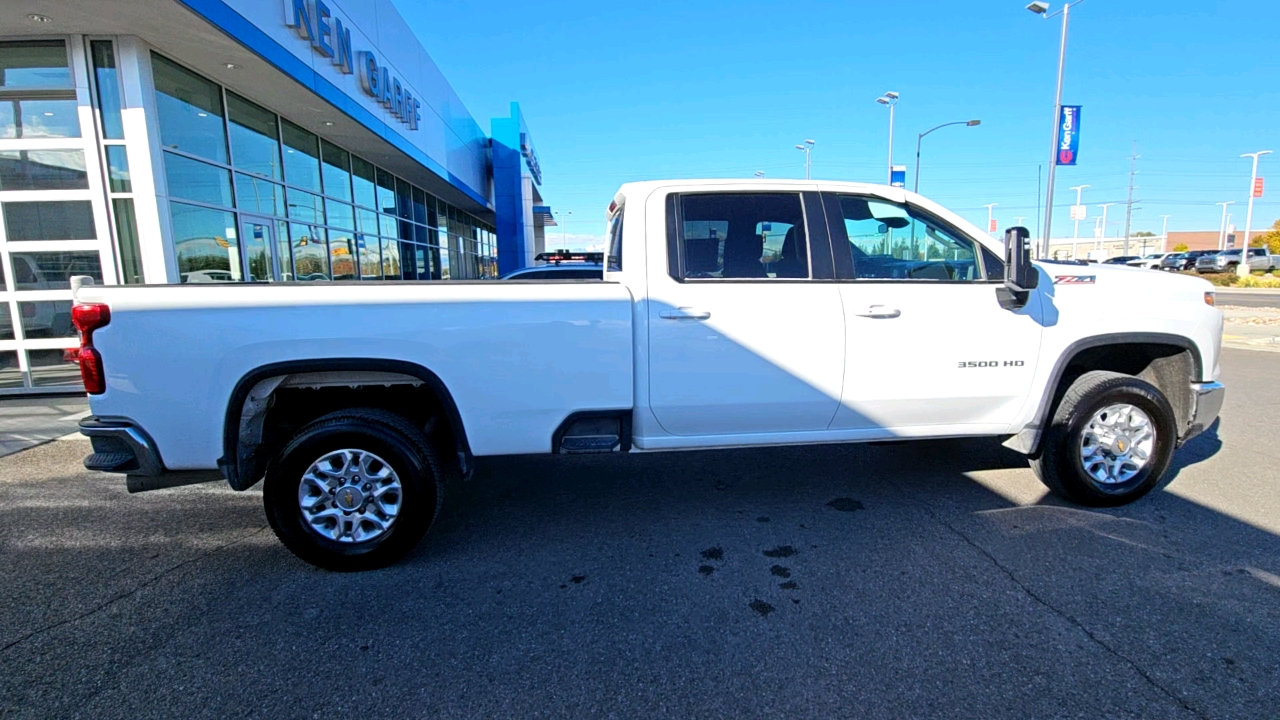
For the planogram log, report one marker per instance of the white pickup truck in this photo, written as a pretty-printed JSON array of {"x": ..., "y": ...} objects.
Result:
[{"x": 730, "y": 314}]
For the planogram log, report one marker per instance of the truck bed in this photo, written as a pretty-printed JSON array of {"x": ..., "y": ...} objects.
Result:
[{"x": 518, "y": 358}]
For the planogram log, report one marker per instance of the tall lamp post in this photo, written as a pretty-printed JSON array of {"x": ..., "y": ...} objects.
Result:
[
  {"x": 1222, "y": 231},
  {"x": 969, "y": 123},
  {"x": 807, "y": 147},
  {"x": 889, "y": 99},
  {"x": 1075, "y": 234},
  {"x": 1042, "y": 8},
  {"x": 1103, "y": 236},
  {"x": 1243, "y": 268}
]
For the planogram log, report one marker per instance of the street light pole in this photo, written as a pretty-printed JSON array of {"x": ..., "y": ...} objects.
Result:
[
  {"x": 968, "y": 123},
  {"x": 1164, "y": 235},
  {"x": 1079, "y": 188},
  {"x": 1222, "y": 231},
  {"x": 989, "y": 207},
  {"x": 1243, "y": 268},
  {"x": 1042, "y": 8},
  {"x": 889, "y": 99},
  {"x": 1103, "y": 238},
  {"x": 806, "y": 147}
]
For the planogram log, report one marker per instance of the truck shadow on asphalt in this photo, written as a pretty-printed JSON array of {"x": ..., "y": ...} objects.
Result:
[{"x": 901, "y": 579}]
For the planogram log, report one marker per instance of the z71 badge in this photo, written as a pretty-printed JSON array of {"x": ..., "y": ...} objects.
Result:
[{"x": 1075, "y": 279}]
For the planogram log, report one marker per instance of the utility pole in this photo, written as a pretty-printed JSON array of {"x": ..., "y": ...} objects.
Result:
[{"x": 1128, "y": 206}]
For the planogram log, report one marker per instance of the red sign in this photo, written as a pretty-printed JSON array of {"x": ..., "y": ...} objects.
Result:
[
  {"x": 1257, "y": 187},
  {"x": 991, "y": 226}
]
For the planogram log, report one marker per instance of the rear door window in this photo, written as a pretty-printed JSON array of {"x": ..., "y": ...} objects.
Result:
[{"x": 742, "y": 236}]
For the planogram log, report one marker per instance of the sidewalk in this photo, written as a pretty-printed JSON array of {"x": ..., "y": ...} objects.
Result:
[
  {"x": 1252, "y": 328},
  {"x": 26, "y": 422}
]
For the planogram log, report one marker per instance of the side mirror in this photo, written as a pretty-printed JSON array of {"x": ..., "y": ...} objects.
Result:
[{"x": 1020, "y": 275}]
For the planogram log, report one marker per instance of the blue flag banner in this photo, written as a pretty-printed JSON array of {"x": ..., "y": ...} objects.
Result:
[{"x": 1069, "y": 135}]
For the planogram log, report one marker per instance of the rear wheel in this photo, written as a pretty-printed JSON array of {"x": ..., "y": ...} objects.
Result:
[
  {"x": 1110, "y": 440},
  {"x": 353, "y": 490}
]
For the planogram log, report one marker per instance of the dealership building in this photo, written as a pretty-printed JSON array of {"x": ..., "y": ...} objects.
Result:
[{"x": 170, "y": 141}]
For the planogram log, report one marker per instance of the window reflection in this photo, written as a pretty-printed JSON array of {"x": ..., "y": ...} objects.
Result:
[
  {"x": 370, "y": 257},
  {"x": 194, "y": 180},
  {"x": 254, "y": 143},
  {"x": 43, "y": 170},
  {"x": 206, "y": 245},
  {"x": 301, "y": 156},
  {"x": 53, "y": 270},
  {"x": 189, "y": 109},
  {"x": 342, "y": 258},
  {"x": 49, "y": 220},
  {"x": 310, "y": 252},
  {"x": 337, "y": 176}
]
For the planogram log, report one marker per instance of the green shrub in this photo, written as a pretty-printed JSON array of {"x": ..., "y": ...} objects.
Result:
[{"x": 1254, "y": 281}]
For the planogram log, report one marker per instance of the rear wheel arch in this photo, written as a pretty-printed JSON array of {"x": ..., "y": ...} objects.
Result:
[
  {"x": 246, "y": 451},
  {"x": 1169, "y": 362}
]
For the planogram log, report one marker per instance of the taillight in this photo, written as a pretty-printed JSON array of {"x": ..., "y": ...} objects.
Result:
[{"x": 88, "y": 318}]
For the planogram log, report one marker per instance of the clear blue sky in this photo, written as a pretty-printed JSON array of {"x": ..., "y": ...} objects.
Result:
[{"x": 615, "y": 92}]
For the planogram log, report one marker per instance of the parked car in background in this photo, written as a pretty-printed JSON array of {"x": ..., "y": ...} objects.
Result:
[
  {"x": 1229, "y": 260},
  {"x": 1150, "y": 262},
  {"x": 1120, "y": 260},
  {"x": 1175, "y": 262},
  {"x": 562, "y": 265}
]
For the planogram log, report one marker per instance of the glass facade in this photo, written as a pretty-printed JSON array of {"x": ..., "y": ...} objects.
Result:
[
  {"x": 51, "y": 220},
  {"x": 335, "y": 215},
  {"x": 239, "y": 193}
]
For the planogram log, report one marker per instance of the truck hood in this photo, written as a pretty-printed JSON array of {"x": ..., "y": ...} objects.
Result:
[
  {"x": 1099, "y": 299},
  {"x": 1153, "y": 286}
]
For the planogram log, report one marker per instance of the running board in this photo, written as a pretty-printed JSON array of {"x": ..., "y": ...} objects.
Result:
[{"x": 593, "y": 432}]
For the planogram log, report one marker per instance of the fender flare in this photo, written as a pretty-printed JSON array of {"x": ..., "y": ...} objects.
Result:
[
  {"x": 1027, "y": 441},
  {"x": 229, "y": 462}
]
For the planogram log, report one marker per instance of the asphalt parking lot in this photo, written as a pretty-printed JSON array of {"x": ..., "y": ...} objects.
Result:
[{"x": 922, "y": 580}]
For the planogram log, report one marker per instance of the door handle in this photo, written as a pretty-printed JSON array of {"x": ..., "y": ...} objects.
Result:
[
  {"x": 880, "y": 311},
  {"x": 684, "y": 313}
]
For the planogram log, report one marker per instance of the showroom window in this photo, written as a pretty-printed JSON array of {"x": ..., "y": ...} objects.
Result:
[
  {"x": 335, "y": 215},
  {"x": 37, "y": 95}
]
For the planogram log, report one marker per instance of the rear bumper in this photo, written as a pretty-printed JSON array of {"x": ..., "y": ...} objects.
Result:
[
  {"x": 1208, "y": 403},
  {"x": 121, "y": 446}
]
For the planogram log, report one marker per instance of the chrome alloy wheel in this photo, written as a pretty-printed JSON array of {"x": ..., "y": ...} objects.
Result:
[
  {"x": 350, "y": 496},
  {"x": 1117, "y": 443}
]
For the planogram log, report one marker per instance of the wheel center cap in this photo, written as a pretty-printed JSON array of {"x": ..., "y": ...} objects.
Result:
[
  {"x": 1121, "y": 445},
  {"x": 348, "y": 498}
]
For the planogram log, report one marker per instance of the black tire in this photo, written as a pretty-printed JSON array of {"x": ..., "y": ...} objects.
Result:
[
  {"x": 399, "y": 443},
  {"x": 1059, "y": 464}
]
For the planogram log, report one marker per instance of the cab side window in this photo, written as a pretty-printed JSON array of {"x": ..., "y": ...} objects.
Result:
[
  {"x": 888, "y": 241},
  {"x": 741, "y": 236}
]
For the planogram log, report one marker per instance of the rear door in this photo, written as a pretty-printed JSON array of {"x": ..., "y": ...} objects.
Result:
[
  {"x": 746, "y": 336},
  {"x": 928, "y": 343}
]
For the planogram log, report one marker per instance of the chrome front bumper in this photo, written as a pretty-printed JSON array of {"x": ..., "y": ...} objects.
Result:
[{"x": 1208, "y": 403}]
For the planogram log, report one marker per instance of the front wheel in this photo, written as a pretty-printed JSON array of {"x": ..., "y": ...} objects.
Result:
[
  {"x": 354, "y": 490},
  {"x": 1110, "y": 441}
]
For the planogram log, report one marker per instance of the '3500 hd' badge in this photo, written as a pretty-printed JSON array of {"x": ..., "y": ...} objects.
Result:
[{"x": 1075, "y": 279}]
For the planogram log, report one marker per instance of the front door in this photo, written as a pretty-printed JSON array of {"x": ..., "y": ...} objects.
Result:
[
  {"x": 257, "y": 243},
  {"x": 928, "y": 343},
  {"x": 741, "y": 339}
]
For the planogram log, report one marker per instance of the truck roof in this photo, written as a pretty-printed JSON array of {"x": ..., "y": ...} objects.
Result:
[{"x": 644, "y": 188}]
